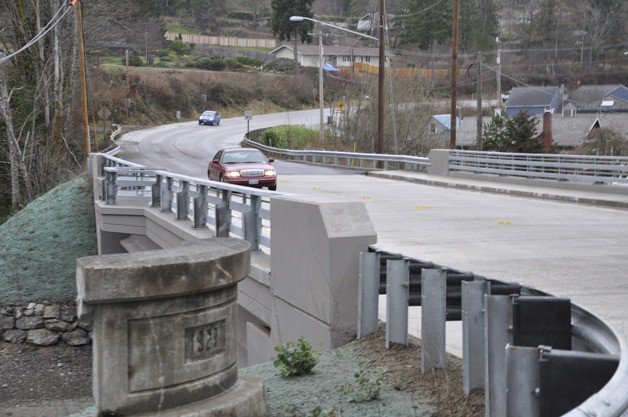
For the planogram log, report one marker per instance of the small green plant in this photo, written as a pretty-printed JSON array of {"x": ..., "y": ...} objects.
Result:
[
  {"x": 295, "y": 358},
  {"x": 366, "y": 387},
  {"x": 314, "y": 412}
]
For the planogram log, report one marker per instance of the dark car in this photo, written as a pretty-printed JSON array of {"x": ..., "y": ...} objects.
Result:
[
  {"x": 243, "y": 166},
  {"x": 209, "y": 117}
]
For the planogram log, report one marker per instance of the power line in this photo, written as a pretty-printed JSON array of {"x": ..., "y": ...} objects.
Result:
[{"x": 56, "y": 19}]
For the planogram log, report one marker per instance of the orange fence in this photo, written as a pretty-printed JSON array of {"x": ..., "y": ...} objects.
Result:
[{"x": 361, "y": 67}]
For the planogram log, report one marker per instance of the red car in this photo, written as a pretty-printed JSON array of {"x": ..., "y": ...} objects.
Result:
[{"x": 243, "y": 166}]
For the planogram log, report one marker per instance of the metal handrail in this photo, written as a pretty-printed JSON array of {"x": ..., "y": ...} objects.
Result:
[
  {"x": 231, "y": 210},
  {"x": 561, "y": 167},
  {"x": 346, "y": 159}
]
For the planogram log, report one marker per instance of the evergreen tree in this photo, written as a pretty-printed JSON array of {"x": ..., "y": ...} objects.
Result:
[
  {"x": 284, "y": 28},
  {"x": 513, "y": 134},
  {"x": 426, "y": 26}
]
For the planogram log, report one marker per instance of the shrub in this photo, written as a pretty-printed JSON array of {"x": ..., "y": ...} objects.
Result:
[
  {"x": 240, "y": 14},
  {"x": 289, "y": 137},
  {"x": 249, "y": 62},
  {"x": 180, "y": 47},
  {"x": 233, "y": 64},
  {"x": 134, "y": 60},
  {"x": 364, "y": 388},
  {"x": 295, "y": 358},
  {"x": 280, "y": 65}
]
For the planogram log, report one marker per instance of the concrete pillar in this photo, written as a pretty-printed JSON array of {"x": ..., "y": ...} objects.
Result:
[
  {"x": 439, "y": 162},
  {"x": 165, "y": 331},
  {"x": 315, "y": 266}
]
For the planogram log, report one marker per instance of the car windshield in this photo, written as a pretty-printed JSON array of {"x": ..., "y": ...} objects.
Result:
[
  {"x": 243, "y": 157},
  {"x": 208, "y": 113}
]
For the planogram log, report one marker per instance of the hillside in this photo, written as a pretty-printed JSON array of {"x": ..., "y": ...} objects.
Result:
[{"x": 39, "y": 245}]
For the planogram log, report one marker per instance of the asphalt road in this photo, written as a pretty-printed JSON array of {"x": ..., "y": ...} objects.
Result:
[
  {"x": 568, "y": 250},
  {"x": 187, "y": 147}
]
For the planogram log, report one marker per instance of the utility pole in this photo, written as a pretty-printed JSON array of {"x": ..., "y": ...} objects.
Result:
[
  {"x": 479, "y": 103},
  {"x": 321, "y": 102},
  {"x": 79, "y": 17},
  {"x": 454, "y": 78},
  {"x": 382, "y": 70},
  {"x": 499, "y": 74}
]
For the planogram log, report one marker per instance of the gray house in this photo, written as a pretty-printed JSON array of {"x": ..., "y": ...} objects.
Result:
[
  {"x": 534, "y": 100},
  {"x": 599, "y": 98},
  {"x": 569, "y": 130}
]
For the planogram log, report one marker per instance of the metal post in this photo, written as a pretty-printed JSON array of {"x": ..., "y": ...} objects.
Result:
[
  {"x": 433, "y": 318},
  {"x": 253, "y": 223},
  {"x": 155, "y": 192},
  {"x": 200, "y": 208},
  {"x": 523, "y": 381},
  {"x": 397, "y": 296},
  {"x": 182, "y": 201},
  {"x": 223, "y": 215},
  {"x": 368, "y": 293},
  {"x": 166, "y": 196},
  {"x": 498, "y": 325},
  {"x": 473, "y": 343}
]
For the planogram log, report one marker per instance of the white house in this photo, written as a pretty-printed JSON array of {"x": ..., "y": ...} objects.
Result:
[{"x": 338, "y": 56}]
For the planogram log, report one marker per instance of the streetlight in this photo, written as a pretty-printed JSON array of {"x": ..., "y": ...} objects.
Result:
[{"x": 382, "y": 60}]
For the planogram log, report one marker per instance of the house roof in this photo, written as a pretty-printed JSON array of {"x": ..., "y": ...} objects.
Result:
[
  {"x": 531, "y": 96},
  {"x": 589, "y": 94},
  {"x": 600, "y": 98},
  {"x": 330, "y": 50},
  {"x": 567, "y": 131},
  {"x": 445, "y": 120}
]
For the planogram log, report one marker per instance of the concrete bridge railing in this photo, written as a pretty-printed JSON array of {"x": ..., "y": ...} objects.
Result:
[{"x": 314, "y": 246}]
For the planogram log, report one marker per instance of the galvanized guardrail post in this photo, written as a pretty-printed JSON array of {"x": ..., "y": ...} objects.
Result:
[
  {"x": 397, "y": 295},
  {"x": 523, "y": 381},
  {"x": 498, "y": 328},
  {"x": 166, "y": 196},
  {"x": 182, "y": 201},
  {"x": 223, "y": 215},
  {"x": 368, "y": 293},
  {"x": 253, "y": 223},
  {"x": 473, "y": 342},
  {"x": 433, "y": 318},
  {"x": 111, "y": 188},
  {"x": 155, "y": 192},
  {"x": 200, "y": 208}
]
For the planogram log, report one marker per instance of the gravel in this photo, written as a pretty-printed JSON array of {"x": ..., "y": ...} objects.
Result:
[{"x": 56, "y": 381}]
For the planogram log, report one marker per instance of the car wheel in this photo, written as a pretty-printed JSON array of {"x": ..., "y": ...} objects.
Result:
[{"x": 273, "y": 187}]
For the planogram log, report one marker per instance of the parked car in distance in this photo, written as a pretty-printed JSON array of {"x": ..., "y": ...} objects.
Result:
[
  {"x": 209, "y": 117},
  {"x": 243, "y": 166}
]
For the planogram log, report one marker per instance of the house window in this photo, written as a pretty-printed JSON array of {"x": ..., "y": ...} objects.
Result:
[
  {"x": 366, "y": 59},
  {"x": 346, "y": 58},
  {"x": 433, "y": 129}
]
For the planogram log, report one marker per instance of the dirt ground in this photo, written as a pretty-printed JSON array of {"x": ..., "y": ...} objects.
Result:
[{"x": 56, "y": 381}]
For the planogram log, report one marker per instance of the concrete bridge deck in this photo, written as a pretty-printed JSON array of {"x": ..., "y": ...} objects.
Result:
[{"x": 568, "y": 242}]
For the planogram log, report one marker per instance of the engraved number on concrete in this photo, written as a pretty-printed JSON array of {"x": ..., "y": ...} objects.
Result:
[{"x": 203, "y": 342}]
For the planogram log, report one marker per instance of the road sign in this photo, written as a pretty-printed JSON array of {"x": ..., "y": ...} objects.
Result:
[
  {"x": 341, "y": 106},
  {"x": 248, "y": 114}
]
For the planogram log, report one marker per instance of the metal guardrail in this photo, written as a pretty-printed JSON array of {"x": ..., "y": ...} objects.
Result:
[
  {"x": 244, "y": 212},
  {"x": 231, "y": 210},
  {"x": 533, "y": 354},
  {"x": 348, "y": 159},
  {"x": 560, "y": 167}
]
